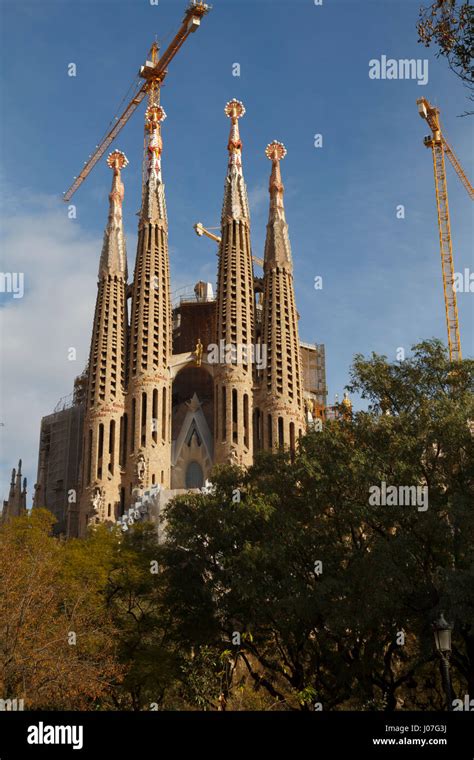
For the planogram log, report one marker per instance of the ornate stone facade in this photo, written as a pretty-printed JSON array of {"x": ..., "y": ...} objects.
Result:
[
  {"x": 234, "y": 379},
  {"x": 158, "y": 419},
  {"x": 101, "y": 473},
  {"x": 280, "y": 410}
]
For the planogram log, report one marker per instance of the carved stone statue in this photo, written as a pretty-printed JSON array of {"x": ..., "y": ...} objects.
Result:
[
  {"x": 198, "y": 351},
  {"x": 141, "y": 469},
  {"x": 96, "y": 500}
]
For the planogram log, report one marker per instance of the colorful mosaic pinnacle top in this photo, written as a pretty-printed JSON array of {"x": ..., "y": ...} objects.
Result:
[
  {"x": 275, "y": 151},
  {"x": 234, "y": 110},
  {"x": 154, "y": 115},
  {"x": 113, "y": 258},
  {"x": 277, "y": 245},
  {"x": 117, "y": 160}
]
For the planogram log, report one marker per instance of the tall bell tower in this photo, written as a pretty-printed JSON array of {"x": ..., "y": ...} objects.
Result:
[
  {"x": 281, "y": 393},
  {"x": 148, "y": 417},
  {"x": 105, "y": 400},
  {"x": 233, "y": 383}
]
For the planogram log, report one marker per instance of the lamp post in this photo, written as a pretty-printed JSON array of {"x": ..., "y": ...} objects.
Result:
[{"x": 442, "y": 635}]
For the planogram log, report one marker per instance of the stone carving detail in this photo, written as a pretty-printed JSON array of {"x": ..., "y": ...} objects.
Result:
[
  {"x": 198, "y": 351},
  {"x": 97, "y": 501},
  {"x": 141, "y": 470}
]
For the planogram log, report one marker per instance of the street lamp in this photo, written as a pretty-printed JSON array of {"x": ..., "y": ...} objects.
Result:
[{"x": 442, "y": 636}]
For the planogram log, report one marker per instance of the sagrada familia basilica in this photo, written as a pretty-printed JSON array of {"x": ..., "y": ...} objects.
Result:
[
  {"x": 221, "y": 411},
  {"x": 170, "y": 391}
]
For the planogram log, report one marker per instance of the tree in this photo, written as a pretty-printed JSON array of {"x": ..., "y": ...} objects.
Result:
[
  {"x": 288, "y": 586},
  {"x": 449, "y": 25},
  {"x": 322, "y": 596},
  {"x": 56, "y": 640},
  {"x": 83, "y": 624},
  {"x": 134, "y": 598}
]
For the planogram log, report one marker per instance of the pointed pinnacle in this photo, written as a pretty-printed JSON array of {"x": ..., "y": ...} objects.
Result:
[
  {"x": 235, "y": 205},
  {"x": 117, "y": 160},
  {"x": 234, "y": 110},
  {"x": 275, "y": 151},
  {"x": 113, "y": 256},
  {"x": 277, "y": 243},
  {"x": 154, "y": 116}
]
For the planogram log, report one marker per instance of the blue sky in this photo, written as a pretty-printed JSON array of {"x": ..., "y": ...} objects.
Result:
[{"x": 304, "y": 70}]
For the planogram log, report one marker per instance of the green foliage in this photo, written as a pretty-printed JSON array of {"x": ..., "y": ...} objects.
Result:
[
  {"x": 449, "y": 25},
  {"x": 134, "y": 597},
  {"x": 250, "y": 567},
  {"x": 56, "y": 640},
  {"x": 302, "y": 592}
]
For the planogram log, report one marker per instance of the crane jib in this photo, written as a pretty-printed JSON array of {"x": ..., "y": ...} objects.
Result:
[{"x": 156, "y": 73}]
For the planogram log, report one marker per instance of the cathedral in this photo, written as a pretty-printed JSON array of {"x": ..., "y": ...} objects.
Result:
[{"x": 171, "y": 390}]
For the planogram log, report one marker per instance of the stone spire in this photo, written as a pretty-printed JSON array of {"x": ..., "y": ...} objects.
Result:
[
  {"x": 235, "y": 205},
  {"x": 153, "y": 202},
  {"x": 11, "y": 495},
  {"x": 114, "y": 255},
  {"x": 281, "y": 396},
  {"x": 105, "y": 406},
  {"x": 149, "y": 379},
  {"x": 277, "y": 243},
  {"x": 15, "y": 505},
  {"x": 233, "y": 385}
]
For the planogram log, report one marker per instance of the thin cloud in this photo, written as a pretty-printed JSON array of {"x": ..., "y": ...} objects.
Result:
[
  {"x": 258, "y": 198},
  {"x": 59, "y": 261}
]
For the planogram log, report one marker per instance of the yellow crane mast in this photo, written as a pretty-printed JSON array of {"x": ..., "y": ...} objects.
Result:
[
  {"x": 153, "y": 72},
  {"x": 440, "y": 146}
]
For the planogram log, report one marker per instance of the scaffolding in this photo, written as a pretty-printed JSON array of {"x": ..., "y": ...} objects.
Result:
[{"x": 59, "y": 457}]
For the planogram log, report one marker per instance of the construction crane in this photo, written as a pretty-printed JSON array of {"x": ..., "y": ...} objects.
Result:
[
  {"x": 153, "y": 72},
  {"x": 200, "y": 230},
  {"x": 440, "y": 146}
]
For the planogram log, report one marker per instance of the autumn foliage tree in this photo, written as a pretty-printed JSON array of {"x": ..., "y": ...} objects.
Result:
[{"x": 57, "y": 646}]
